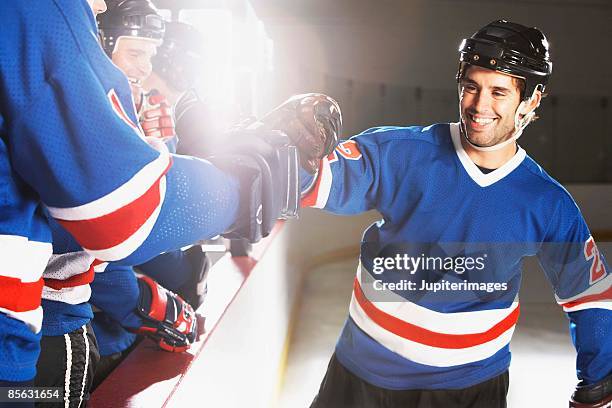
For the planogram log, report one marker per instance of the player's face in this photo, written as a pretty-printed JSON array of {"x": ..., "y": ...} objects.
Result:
[
  {"x": 488, "y": 102},
  {"x": 133, "y": 57},
  {"x": 97, "y": 6}
]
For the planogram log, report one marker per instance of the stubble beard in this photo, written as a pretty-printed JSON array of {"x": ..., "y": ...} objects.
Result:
[{"x": 498, "y": 134}]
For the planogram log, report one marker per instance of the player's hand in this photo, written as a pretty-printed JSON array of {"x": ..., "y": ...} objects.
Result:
[
  {"x": 167, "y": 318},
  {"x": 156, "y": 119},
  {"x": 598, "y": 395},
  {"x": 312, "y": 121},
  {"x": 265, "y": 164}
]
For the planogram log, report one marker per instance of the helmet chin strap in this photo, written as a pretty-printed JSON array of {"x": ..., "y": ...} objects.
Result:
[{"x": 519, "y": 125}]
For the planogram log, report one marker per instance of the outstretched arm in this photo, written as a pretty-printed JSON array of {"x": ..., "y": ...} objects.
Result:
[{"x": 583, "y": 287}]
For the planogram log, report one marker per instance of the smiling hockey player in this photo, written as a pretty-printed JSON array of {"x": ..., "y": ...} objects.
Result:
[{"x": 460, "y": 191}]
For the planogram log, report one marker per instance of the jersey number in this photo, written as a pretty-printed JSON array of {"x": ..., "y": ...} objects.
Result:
[
  {"x": 598, "y": 270},
  {"x": 347, "y": 149}
]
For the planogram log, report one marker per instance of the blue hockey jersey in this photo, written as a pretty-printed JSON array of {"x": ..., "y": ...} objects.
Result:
[
  {"x": 435, "y": 300},
  {"x": 68, "y": 140},
  {"x": 112, "y": 317}
]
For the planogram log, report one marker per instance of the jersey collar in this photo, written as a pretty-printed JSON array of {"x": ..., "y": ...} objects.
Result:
[{"x": 483, "y": 180}]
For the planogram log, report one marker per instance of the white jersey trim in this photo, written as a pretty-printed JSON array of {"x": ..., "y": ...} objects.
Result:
[
  {"x": 607, "y": 304},
  {"x": 483, "y": 180},
  {"x": 599, "y": 287},
  {"x": 32, "y": 318},
  {"x": 425, "y": 354},
  {"x": 124, "y": 195},
  {"x": 447, "y": 323},
  {"x": 73, "y": 295},
  {"x": 325, "y": 185},
  {"x": 132, "y": 243},
  {"x": 64, "y": 266},
  {"x": 23, "y": 259}
]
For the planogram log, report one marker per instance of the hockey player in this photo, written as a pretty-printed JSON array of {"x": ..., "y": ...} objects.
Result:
[
  {"x": 435, "y": 297},
  {"x": 179, "y": 65},
  {"x": 66, "y": 330},
  {"x": 130, "y": 32},
  {"x": 69, "y": 142},
  {"x": 178, "y": 70},
  {"x": 129, "y": 36}
]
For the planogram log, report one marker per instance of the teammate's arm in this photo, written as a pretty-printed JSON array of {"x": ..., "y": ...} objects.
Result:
[{"x": 80, "y": 149}]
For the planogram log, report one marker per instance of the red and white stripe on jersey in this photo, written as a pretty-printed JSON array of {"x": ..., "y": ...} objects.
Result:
[
  {"x": 120, "y": 111},
  {"x": 429, "y": 337},
  {"x": 598, "y": 296},
  {"x": 67, "y": 277},
  {"x": 21, "y": 265},
  {"x": 318, "y": 194},
  {"x": 115, "y": 225}
]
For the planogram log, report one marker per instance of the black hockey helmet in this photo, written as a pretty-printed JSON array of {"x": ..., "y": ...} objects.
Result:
[
  {"x": 510, "y": 48},
  {"x": 180, "y": 59},
  {"x": 131, "y": 18}
]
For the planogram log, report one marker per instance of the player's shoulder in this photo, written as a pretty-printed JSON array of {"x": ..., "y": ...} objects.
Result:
[
  {"x": 433, "y": 135},
  {"x": 547, "y": 185},
  {"x": 50, "y": 17}
]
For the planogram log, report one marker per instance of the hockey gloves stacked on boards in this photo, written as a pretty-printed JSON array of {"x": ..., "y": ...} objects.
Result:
[{"x": 266, "y": 157}]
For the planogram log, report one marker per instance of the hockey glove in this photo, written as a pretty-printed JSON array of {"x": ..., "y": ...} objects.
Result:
[
  {"x": 266, "y": 167},
  {"x": 167, "y": 318},
  {"x": 156, "y": 117},
  {"x": 598, "y": 395},
  {"x": 312, "y": 121}
]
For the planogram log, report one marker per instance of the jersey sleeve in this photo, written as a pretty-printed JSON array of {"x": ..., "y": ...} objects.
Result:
[
  {"x": 348, "y": 179},
  {"x": 117, "y": 282},
  {"x": 171, "y": 270},
  {"x": 582, "y": 283},
  {"x": 76, "y": 142}
]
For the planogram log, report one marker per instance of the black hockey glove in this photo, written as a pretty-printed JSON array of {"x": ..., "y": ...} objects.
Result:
[
  {"x": 312, "y": 121},
  {"x": 266, "y": 167},
  {"x": 598, "y": 395}
]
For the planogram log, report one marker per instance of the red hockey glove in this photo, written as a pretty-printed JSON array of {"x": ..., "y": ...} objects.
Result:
[
  {"x": 598, "y": 395},
  {"x": 156, "y": 118},
  {"x": 312, "y": 121},
  {"x": 167, "y": 318}
]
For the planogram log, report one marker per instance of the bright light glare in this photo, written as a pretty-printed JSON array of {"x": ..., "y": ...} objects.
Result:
[{"x": 216, "y": 27}]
